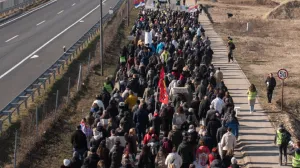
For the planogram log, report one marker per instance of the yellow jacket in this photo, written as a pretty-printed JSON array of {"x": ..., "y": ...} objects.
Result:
[{"x": 131, "y": 101}]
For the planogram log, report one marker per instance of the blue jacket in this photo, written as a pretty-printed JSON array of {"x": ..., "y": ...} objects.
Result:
[{"x": 234, "y": 126}]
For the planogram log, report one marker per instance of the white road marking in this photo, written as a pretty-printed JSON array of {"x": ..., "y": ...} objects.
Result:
[
  {"x": 60, "y": 12},
  {"x": 104, "y": 1},
  {"x": 35, "y": 56},
  {"x": 81, "y": 21},
  {"x": 41, "y": 22},
  {"x": 41, "y": 47},
  {"x": 11, "y": 38},
  {"x": 73, "y": 4},
  {"x": 51, "y": 2}
]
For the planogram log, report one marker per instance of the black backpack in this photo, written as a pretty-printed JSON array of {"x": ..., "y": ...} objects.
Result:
[
  {"x": 232, "y": 46},
  {"x": 286, "y": 137}
]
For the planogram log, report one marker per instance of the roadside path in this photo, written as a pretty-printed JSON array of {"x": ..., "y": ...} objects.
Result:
[{"x": 256, "y": 133}]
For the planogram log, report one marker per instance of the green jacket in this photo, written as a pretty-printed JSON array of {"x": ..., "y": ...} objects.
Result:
[{"x": 251, "y": 95}]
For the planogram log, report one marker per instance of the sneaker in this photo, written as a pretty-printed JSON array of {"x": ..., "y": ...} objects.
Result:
[{"x": 250, "y": 112}]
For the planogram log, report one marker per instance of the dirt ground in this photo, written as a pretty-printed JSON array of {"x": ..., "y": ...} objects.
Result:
[{"x": 269, "y": 46}]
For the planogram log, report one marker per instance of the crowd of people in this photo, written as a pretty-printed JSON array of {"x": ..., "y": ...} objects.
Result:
[{"x": 168, "y": 106}]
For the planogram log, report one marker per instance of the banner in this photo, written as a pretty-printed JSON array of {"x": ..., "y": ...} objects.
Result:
[
  {"x": 192, "y": 9},
  {"x": 139, "y": 3},
  {"x": 163, "y": 95},
  {"x": 148, "y": 38}
]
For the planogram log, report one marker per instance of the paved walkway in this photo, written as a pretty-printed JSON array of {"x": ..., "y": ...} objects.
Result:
[{"x": 256, "y": 133}]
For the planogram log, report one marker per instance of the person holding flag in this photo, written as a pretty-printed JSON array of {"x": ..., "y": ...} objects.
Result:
[{"x": 163, "y": 94}]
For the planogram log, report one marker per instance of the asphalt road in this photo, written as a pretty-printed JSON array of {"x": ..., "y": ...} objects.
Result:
[{"x": 42, "y": 33}]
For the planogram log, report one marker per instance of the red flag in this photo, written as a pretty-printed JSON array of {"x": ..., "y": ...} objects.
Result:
[{"x": 163, "y": 95}]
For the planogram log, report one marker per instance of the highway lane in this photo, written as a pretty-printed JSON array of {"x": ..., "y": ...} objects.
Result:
[{"x": 22, "y": 46}]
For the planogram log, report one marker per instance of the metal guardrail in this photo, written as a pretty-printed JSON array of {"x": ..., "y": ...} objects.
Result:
[
  {"x": 4, "y": 6},
  {"x": 40, "y": 82}
]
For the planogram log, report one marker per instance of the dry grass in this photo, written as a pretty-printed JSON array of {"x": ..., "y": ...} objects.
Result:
[{"x": 271, "y": 45}]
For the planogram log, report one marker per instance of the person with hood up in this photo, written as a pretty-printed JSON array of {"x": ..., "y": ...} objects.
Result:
[
  {"x": 228, "y": 143},
  {"x": 179, "y": 117},
  {"x": 173, "y": 159},
  {"x": 92, "y": 160},
  {"x": 75, "y": 161},
  {"x": 79, "y": 141},
  {"x": 156, "y": 122},
  {"x": 175, "y": 136},
  {"x": 185, "y": 150},
  {"x": 212, "y": 127},
  {"x": 115, "y": 154},
  {"x": 282, "y": 139}
]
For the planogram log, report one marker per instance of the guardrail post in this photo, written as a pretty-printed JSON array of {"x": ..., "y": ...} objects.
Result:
[
  {"x": 18, "y": 110},
  {"x": 15, "y": 150},
  {"x": 56, "y": 102},
  {"x": 89, "y": 62},
  {"x": 64, "y": 49},
  {"x": 9, "y": 118},
  {"x": 37, "y": 119},
  {"x": 79, "y": 78},
  {"x": 68, "y": 95},
  {"x": 1, "y": 126}
]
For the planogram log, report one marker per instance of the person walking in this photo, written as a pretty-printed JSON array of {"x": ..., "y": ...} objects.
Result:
[
  {"x": 79, "y": 142},
  {"x": 219, "y": 77},
  {"x": 296, "y": 155},
  {"x": 173, "y": 159},
  {"x": 252, "y": 93},
  {"x": 231, "y": 47},
  {"x": 271, "y": 84},
  {"x": 282, "y": 139},
  {"x": 228, "y": 143}
]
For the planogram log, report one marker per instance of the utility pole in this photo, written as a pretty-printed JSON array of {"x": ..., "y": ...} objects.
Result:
[{"x": 101, "y": 39}]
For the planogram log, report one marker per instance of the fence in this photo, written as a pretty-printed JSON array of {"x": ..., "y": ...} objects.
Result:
[
  {"x": 42, "y": 114},
  {"x": 50, "y": 73}
]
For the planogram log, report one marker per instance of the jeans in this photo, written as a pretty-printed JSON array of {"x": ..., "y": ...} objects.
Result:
[
  {"x": 269, "y": 95},
  {"x": 80, "y": 152},
  {"x": 252, "y": 108},
  {"x": 282, "y": 149}
]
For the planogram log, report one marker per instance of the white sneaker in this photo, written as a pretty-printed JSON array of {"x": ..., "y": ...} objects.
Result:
[{"x": 250, "y": 112}]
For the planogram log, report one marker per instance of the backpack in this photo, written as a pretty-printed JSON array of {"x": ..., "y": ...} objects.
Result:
[
  {"x": 286, "y": 137},
  {"x": 153, "y": 148},
  {"x": 232, "y": 46}
]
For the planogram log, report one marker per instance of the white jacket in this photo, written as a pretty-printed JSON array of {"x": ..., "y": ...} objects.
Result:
[
  {"x": 99, "y": 103},
  {"x": 217, "y": 104},
  {"x": 175, "y": 159},
  {"x": 228, "y": 141}
]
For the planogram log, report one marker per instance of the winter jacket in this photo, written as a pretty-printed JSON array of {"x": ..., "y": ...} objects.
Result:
[
  {"x": 174, "y": 158},
  {"x": 212, "y": 128},
  {"x": 78, "y": 140},
  {"x": 176, "y": 137},
  {"x": 209, "y": 115},
  {"x": 219, "y": 76},
  {"x": 271, "y": 83},
  {"x": 217, "y": 163},
  {"x": 140, "y": 118},
  {"x": 228, "y": 141},
  {"x": 115, "y": 156},
  {"x": 220, "y": 132},
  {"x": 234, "y": 125},
  {"x": 145, "y": 161},
  {"x": 203, "y": 108},
  {"x": 156, "y": 122},
  {"x": 92, "y": 160},
  {"x": 95, "y": 141},
  {"x": 75, "y": 163},
  {"x": 112, "y": 111},
  {"x": 178, "y": 119},
  {"x": 131, "y": 101},
  {"x": 185, "y": 150}
]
